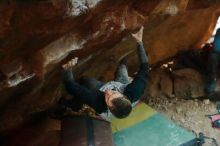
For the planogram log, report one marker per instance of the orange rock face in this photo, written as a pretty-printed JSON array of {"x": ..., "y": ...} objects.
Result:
[{"x": 36, "y": 37}]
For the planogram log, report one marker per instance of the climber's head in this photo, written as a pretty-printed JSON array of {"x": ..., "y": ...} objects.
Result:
[{"x": 118, "y": 104}]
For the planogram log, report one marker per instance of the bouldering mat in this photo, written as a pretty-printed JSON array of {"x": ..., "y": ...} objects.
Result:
[{"x": 146, "y": 127}]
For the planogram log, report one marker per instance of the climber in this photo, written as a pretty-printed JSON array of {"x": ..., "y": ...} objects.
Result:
[
  {"x": 212, "y": 67},
  {"x": 114, "y": 97}
]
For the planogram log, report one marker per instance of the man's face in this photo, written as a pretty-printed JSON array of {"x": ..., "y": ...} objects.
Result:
[{"x": 110, "y": 95}]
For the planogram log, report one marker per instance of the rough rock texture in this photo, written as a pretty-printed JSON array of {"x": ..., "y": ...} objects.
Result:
[
  {"x": 160, "y": 84},
  {"x": 183, "y": 83},
  {"x": 36, "y": 37},
  {"x": 188, "y": 83}
]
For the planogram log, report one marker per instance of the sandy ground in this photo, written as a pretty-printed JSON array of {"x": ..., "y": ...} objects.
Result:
[{"x": 189, "y": 114}]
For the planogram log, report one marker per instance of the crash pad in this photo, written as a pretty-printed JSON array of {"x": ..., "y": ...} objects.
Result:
[{"x": 146, "y": 127}]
